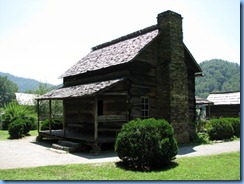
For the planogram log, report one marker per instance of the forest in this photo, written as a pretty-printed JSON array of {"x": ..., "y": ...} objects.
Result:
[{"x": 218, "y": 76}]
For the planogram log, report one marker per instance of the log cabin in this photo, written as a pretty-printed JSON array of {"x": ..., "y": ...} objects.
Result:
[
  {"x": 225, "y": 104},
  {"x": 148, "y": 73}
]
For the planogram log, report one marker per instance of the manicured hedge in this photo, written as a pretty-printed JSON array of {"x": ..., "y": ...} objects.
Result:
[
  {"x": 223, "y": 128},
  {"x": 146, "y": 144},
  {"x": 21, "y": 126},
  {"x": 236, "y": 125},
  {"x": 56, "y": 124}
]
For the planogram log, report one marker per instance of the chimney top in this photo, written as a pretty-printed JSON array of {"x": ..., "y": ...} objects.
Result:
[{"x": 168, "y": 13}]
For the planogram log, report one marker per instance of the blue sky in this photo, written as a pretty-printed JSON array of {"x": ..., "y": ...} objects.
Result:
[{"x": 41, "y": 39}]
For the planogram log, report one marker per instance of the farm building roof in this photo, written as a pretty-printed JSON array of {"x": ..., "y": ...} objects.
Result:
[
  {"x": 25, "y": 98},
  {"x": 79, "y": 90},
  {"x": 225, "y": 98}
]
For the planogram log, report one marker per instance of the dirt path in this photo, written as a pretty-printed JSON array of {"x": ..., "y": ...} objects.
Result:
[{"x": 29, "y": 153}]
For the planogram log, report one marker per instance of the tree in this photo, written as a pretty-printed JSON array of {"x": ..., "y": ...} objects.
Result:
[
  {"x": 7, "y": 90},
  {"x": 57, "y": 105},
  {"x": 219, "y": 76},
  {"x": 42, "y": 89}
]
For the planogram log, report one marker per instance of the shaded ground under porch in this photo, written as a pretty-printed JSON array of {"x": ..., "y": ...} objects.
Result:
[{"x": 79, "y": 137}]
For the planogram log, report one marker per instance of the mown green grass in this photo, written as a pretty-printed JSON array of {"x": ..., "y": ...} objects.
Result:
[
  {"x": 215, "y": 167},
  {"x": 4, "y": 135}
]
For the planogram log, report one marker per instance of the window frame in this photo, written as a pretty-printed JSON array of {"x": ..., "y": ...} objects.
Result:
[{"x": 144, "y": 107}]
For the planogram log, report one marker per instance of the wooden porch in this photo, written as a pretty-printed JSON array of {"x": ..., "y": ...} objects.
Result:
[
  {"x": 91, "y": 113},
  {"x": 84, "y": 138}
]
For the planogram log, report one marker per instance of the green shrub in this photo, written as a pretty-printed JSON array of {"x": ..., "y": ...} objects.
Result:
[
  {"x": 16, "y": 129},
  {"x": 219, "y": 129},
  {"x": 30, "y": 123},
  {"x": 146, "y": 144},
  {"x": 21, "y": 126},
  {"x": 6, "y": 120},
  {"x": 13, "y": 111},
  {"x": 56, "y": 124},
  {"x": 235, "y": 122},
  {"x": 201, "y": 138}
]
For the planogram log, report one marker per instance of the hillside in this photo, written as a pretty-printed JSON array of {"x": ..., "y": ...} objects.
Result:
[
  {"x": 24, "y": 84},
  {"x": 219, "y": 76}
]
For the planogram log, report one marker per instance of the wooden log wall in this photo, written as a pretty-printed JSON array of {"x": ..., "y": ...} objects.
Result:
[
  {"x": 217, "y": 111},
  {"x": 79, "y": 114},
  {"x": 95, "y": 76},
  {"x": 115, "y": 112},
  {"x": 143, "y": 84},
  {"x": 191, "y": 96},
  {"x": 192, "y": 102}
]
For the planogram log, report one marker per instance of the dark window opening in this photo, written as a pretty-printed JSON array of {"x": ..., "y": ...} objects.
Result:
[{"x": 100, "y": 107}]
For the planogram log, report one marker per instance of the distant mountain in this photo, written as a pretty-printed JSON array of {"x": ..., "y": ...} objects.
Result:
[
  {"x": 25, "y": 84},
  {"x": 219, "y": 76}
]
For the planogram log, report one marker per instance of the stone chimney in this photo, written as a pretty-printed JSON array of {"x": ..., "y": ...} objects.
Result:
[{"x": 173, "y": 92}]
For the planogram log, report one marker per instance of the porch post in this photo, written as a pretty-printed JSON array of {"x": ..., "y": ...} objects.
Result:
[
  {"x": 50, "y": 116},
  {"x": 209, "y": 111},
  {"x": 38, "y": 116},
  {"x": 95, "y": 119}
]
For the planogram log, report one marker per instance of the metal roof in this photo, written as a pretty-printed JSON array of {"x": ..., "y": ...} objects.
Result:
[
  {"x": 225, "y": 98},
  {"x": 200, "y": 101},
  {"x": 25, "y": 98}
]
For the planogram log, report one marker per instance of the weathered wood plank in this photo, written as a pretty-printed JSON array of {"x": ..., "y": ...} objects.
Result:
[
  {"x": 96, "y": 76},
  {"x": 95, "y": 118}
]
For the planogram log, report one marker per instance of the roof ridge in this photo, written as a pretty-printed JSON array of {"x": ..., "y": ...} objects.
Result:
[{"x": 126, "y": 37}]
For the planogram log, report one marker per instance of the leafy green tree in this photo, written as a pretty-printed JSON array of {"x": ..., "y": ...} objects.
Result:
[
  {"x": 42, "y": 89},
  {"x": 57, "y": 105},
  {"x": 7, "y": 90},
  {"x": 219, "y": 76}
]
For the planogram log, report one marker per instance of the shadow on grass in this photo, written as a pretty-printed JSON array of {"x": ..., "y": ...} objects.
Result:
[{"x": 126, "y": 167}]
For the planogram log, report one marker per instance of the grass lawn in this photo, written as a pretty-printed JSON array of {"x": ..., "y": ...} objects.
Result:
[
  {"x": 215, "y": 167},
  {"x": 4, "y": 135}
]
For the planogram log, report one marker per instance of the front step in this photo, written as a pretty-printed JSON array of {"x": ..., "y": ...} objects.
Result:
[
  {"x": 67, "y": 146},
  {"x": 58, "y": 151},
  {"x": 69, "y": 143}
]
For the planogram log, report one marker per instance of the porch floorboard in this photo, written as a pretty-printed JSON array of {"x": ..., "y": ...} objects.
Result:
[{"x": 79, "y": 136}]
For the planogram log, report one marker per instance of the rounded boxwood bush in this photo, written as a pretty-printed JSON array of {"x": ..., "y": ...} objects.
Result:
[
  {"x": 236, "y": 125},
  {"x": 146, "y": 144},
  {"x": 56, "y": 124},
  {"x": 16, "y": 128},
  {"x": 219, "y": 129}
]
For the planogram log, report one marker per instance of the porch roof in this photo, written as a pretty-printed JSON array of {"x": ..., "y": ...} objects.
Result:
[
  {"x": 79, "y": 90},
  {"x": 201, "y": 101}
]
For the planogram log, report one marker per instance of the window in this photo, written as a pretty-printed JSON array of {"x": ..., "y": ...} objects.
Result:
[
  {"x": 100, "y": 107},
  {"x": 144, "y": 107}
]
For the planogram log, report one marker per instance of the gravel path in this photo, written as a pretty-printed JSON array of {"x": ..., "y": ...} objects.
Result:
[{"x": 27, "y": 152}]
